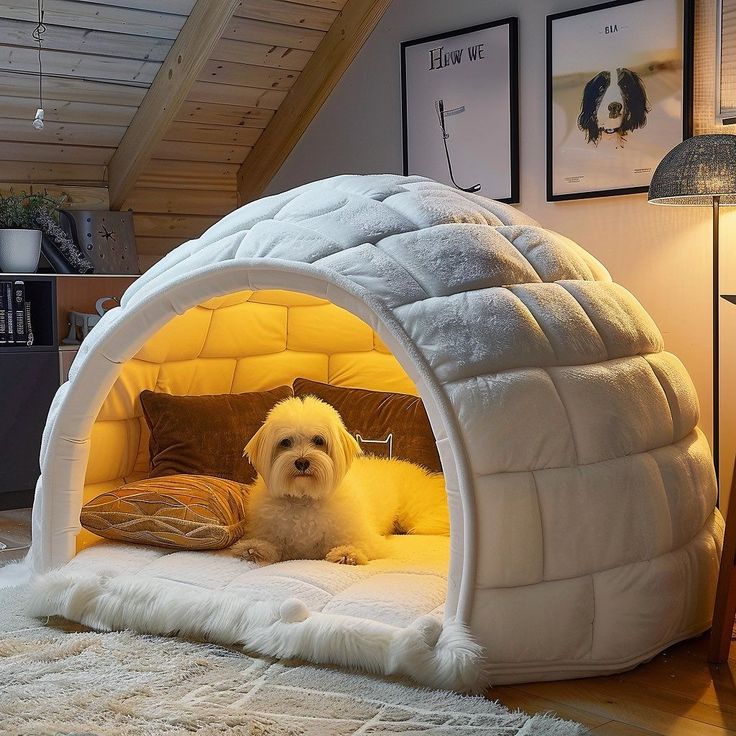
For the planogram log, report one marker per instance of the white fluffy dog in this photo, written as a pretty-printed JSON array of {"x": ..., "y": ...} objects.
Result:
[{"x": 316, "y": 498}]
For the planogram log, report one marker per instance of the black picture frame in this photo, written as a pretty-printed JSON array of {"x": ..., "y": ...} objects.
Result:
[
  {"x": 512, "y": 24},
  {"x": 688, "y": 11}
]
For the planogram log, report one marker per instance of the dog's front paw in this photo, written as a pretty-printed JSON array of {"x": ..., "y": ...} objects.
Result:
[
  {"x": 256, "y": 550},
  {"x": 346, "y": 555}
]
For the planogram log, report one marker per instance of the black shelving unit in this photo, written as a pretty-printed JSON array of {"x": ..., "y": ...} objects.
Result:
[
  {"x": 31, "y": 375},
  {"x": 29, "y": 378}
]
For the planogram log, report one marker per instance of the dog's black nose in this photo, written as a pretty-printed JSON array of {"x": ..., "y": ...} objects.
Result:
[
  {"x": 301, "y": 464},
  {"x": 614, "y": 109}
]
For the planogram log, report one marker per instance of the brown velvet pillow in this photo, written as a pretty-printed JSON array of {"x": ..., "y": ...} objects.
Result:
[
  {"x": 205, "y": 435},
  {"x": 375, "y": 414},
  {"x": 181, "y": 512}
]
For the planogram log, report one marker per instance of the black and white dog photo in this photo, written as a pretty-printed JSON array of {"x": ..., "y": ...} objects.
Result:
[{"x": 618, "y": 108}]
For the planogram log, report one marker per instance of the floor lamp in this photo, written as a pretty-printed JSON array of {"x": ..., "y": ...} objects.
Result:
[{"x": 701, "y": 172}]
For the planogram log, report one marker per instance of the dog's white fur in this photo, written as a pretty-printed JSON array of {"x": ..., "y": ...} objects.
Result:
[{"x": 316, "y": 497}]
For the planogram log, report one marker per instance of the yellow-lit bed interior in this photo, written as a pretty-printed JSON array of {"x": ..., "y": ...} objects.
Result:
[{"x": 246, "y": 341}]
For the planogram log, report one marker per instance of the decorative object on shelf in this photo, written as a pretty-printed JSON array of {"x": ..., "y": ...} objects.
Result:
[
  {"x": 81, "y": 323},
  {"x": 461, "y": 109},
  {"x": 619, "y": 94},
  {"x": 107, "y": 239},
  {"x": 29, "y": 324},
  {"x": 701, "y": 172},
  {"x": 20, "y": 235},
  {"x": 19, "y": 250},
  {"x": 59, "y": 248},
  {"x": 31, "y": 229}
]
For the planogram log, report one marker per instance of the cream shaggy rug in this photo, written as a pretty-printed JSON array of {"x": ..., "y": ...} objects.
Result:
[{"x": 65, "y": 680}]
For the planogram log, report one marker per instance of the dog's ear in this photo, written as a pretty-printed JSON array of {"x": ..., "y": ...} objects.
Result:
[
  {"x": 253, "y": 450},
  {"x": 636, "y": 103},
  {"x": 349, "y": 445},
  {"x": 593, "y": 93}
]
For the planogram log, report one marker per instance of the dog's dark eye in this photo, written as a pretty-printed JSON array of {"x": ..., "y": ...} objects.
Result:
[
  {"x": 286, "y": 442},
  {"x": 318, "y": 440}
]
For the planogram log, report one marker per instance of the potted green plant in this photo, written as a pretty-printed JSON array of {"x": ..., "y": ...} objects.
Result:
[{"x": 20, "y": 234}]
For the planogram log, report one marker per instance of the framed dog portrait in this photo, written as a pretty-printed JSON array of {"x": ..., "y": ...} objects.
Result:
[
  {"x": 619, "y": 94},
  {"x": 460, "y": 109}
]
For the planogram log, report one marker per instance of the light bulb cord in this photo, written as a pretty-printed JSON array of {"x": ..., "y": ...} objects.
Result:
[{"x": 37, "y": 34}]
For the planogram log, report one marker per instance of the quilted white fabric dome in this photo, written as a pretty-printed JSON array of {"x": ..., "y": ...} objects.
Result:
[{"x": 584, "y": 531}]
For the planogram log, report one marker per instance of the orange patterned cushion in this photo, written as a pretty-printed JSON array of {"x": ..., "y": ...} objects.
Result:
[{"x": 179, "y": 511}]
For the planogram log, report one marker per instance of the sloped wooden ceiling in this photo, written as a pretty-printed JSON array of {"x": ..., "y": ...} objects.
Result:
[
  {"x": 191, "y": 180},
  {"x": 272, "y": 60},
  {"x": 99, "y": 61},
  {"x": 269, "y": 70}
]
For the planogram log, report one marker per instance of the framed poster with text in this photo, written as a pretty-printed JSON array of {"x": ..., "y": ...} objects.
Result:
[
  {"x": 619, "y": 94},
  {"x": 461, "y": 111}
]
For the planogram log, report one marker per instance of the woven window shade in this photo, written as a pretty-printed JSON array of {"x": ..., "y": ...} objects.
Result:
[{"x": 728, "y": 56}]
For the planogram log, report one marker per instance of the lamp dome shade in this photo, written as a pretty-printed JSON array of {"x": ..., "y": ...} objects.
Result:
[{"x": 695, "y": 171}]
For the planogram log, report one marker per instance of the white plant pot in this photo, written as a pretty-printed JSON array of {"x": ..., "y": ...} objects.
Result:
[{"x": 19, "y": 250}]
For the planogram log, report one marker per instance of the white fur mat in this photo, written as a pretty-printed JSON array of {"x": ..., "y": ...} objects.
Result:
[
  {"x": 384, "y": 617},
  {"x": 66, "y": 680}
]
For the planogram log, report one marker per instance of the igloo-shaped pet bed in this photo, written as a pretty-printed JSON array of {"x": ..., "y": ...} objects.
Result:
[{"x": 584, "y": 534}]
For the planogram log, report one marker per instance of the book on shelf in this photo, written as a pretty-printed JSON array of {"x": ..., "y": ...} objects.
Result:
[
  {"x": 15, "y": 314},
  {"x": 9, "y": 321},
  {"x": 19, "y": 312},
  {"x": 3, "y": 315}
]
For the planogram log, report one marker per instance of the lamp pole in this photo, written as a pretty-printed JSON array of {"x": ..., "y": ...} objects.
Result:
[
  {"x": 701, "y": 172},
  {"x": 716, "y": 336}
]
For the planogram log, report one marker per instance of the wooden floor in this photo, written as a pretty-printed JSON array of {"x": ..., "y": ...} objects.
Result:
[
  {"x": 15, "y": 534},
  {"x": 676, "y": 694}
]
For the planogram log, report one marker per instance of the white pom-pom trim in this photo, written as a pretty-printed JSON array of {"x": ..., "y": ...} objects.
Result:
[{"x": 293, "y": 611}]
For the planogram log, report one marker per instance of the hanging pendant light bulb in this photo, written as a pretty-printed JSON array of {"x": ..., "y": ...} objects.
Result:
[{"x": 37, "y": 34}]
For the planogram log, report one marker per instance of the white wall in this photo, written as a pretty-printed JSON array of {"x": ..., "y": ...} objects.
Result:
[{"x": 661, "y": 254}]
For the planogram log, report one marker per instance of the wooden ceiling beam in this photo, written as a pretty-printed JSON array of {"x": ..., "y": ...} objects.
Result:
[
  {"x": 312, "y": 87},
  {"x": 208, "y": 93},
  {"x": 270, "y": 33},
  {"x": 278, "y": 11},
  {"x": 169, "y": 90}
]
